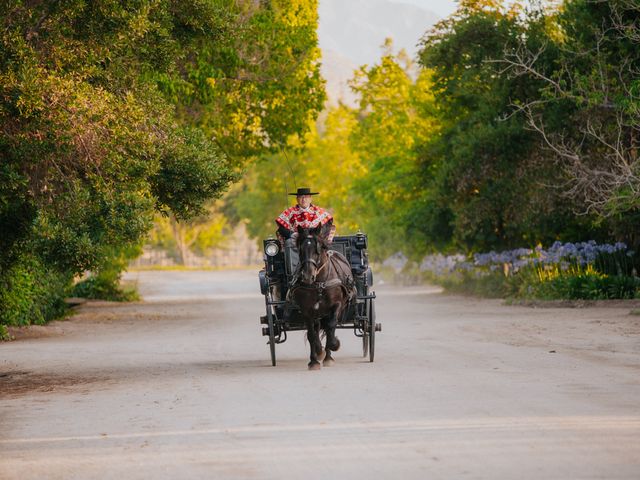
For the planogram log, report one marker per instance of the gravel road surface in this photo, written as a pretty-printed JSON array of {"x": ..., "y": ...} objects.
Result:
[{"x": 180, "y": 386}]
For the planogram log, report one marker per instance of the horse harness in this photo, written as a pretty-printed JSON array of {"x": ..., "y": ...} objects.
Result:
[{"x": 320, "y": 287}]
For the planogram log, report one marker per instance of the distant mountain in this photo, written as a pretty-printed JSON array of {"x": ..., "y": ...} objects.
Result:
[
  {"x": 351, "y": 33},
  {"x": 337, "y": 70}
]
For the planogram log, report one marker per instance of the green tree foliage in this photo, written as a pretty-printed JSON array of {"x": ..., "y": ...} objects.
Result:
[
  {"x": 363, "y": 161},
  {"x": 90, "y": 146},
  {"x": 396, "y": 114},
  {"x": 489, "y": 183},
  {"x": 519, "y": 128},
  {"x": 199, "y": 235},
  {"x": 254, "y": 79},
  {"x": 102, "y": 115},
  {"x": 326, "y": 163},
  {"x": 587, "y": 109},
  {"x": 251, "y": 89}
]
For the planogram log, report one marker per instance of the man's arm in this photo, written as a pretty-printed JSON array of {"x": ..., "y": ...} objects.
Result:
[{"x": 284, "y": 232}]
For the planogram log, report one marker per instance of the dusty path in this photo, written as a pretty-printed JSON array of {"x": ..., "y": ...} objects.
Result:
[{"x": 180, "y": 386}]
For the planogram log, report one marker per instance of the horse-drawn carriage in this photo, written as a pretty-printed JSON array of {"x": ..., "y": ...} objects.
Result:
[{"x": 282, "y": 282}]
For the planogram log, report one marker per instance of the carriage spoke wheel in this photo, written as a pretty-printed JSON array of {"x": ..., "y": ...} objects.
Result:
[
  {"x": 372, "y": 329},
  {"x": 365, "y": 339},
  {"x": 272, "y": 337},
  {"x": 365, "y": 325}
]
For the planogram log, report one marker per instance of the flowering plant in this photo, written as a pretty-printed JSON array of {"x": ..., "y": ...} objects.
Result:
[{"x": 566, "y": 270}]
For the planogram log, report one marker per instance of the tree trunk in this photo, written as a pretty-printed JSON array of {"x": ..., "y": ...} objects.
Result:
[{"x": 179, "y": 237}]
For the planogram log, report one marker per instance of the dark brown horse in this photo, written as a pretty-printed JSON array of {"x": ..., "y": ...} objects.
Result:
[{"x": 322, "y": 291}]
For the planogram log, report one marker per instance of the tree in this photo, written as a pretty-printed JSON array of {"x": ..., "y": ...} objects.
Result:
[
  {"x": 363, "y": 160},
  {"x": 488, "y": 183},
  {"x": 593, "y": 80},
  {"x": 322, "y": 161},
  {"x": 395, "y": 116},
  {"x": 103, "y": 120},
  {"x": 252, "y": 80},
  {"x": 251, "y": 84},
  {"x": 89, "y": 145},
  {"x": 199, "y": 235}
]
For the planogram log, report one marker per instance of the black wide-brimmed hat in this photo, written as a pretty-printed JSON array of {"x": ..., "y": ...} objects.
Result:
[{"x": 304, "y": 191}]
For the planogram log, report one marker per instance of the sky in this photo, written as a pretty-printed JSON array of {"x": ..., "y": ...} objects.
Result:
[{"x": 442, "y": 7}]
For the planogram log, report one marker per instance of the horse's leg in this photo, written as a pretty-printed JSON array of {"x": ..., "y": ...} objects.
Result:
[
  {"x": 326, "y": 353},
  {"x": 320, "y": 352},
  {"x": 313, "y": 335},
  {"x": 333, "y": 344},
  {"x": 328, "y": 359}
]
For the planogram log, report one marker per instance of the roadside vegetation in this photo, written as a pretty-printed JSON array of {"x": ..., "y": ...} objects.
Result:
[
  {"x": 582, "y": 271},
  {"x": 113, "y": 112},
  {"x": 517, "y": 132},
  {"x": 171, "y": 121}
]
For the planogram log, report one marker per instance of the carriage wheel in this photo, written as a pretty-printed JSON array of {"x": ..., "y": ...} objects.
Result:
[
  {"x": 272, "y": 337},
  {"x": 365, "y": 340},
  {"x": 372, "y": 329},
  {"x": 365, "y": 327}
]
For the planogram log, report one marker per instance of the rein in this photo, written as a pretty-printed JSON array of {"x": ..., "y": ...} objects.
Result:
[
  {"x": 318, "y": 269},
  {"x": 323, "y": 265},
  {"x": 320, "y": 286}
]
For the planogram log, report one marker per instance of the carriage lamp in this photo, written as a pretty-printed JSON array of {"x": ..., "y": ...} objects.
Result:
[
  {"x": 360, "y": 241},
  {"x": 271, "y": 249}
]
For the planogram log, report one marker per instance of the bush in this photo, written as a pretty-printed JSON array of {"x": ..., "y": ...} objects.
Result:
[
  {"x": 585, "y": 271},
  {"x": 589, "y": 286},
  {"x": 4, "y": 334},
  {"x": 104, "y": 283},
  {"x": 104, "y": 288},
  {"x": 31, "y": 293}
]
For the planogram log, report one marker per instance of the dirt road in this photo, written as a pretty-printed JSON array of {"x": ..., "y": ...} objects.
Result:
[{"x": 180, "y": 387}]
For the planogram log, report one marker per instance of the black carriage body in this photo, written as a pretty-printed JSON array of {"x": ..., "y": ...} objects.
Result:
[{"x": 282, "y": 316}]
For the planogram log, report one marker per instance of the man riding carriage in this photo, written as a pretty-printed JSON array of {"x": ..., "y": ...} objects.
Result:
[
  {"x": 306, "y": 215},
  {"x": 322, "y": 288}
]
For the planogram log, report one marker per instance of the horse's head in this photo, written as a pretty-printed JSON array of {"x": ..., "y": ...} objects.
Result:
[{"x": 311, "y": 250}]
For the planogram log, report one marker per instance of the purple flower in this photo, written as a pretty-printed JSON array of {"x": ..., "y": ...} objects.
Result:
[{"x": 558, "y": 255}]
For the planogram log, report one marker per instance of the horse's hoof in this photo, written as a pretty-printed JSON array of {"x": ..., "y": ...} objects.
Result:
[
  {"x": 336, "y": 345},
  {"x": 329, "y": 362},
  {"x": 322, "y": 354},
  {"x": 315, "y": 366}
]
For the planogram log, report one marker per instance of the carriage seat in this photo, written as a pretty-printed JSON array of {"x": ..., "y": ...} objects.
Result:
[
  {"x": 357, "y": 257},
  {"x": 346, "y": 245}
]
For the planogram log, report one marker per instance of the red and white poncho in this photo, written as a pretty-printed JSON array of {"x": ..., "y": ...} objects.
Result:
[{"x": 310, "y": 217}]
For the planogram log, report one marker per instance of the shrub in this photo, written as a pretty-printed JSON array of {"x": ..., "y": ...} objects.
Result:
[
  {"x": 104, "y": 283},
  {"x": 589, "y": 285},
  {"x": 31, "y": 293},
  {"x": 104, "y": 288},
  {"x": 4, "y": 334},
  {"x": 583, "y": 270}
]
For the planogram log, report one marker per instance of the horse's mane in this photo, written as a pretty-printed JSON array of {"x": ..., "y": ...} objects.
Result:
[{"x": 320, "y": 233}]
